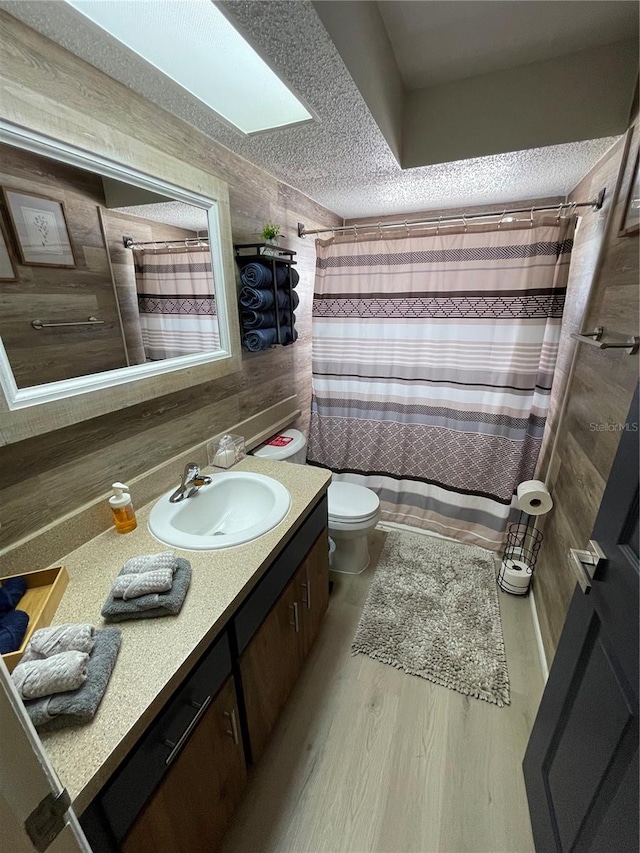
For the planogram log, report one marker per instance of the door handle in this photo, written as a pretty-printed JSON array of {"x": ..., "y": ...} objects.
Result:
[
  {"x": 296, "y": 618},
  {"x": 306, "y": 595},
  {"x": 233, "y": 731},
  {"x": 176, "y": 746},
  {"x": 586, "y": 563}
]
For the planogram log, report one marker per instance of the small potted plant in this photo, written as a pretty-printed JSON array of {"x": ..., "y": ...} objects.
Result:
[{"x": 270, "y": 233}]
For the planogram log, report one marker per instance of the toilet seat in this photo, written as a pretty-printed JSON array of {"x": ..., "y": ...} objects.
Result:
[{"x": 352, "y": 505}]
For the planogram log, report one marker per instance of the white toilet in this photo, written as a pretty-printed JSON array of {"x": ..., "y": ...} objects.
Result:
[{"x": 353, "y": 510}]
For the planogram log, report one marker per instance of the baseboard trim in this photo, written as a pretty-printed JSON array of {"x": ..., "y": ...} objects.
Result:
[{"x": 538, "y": 634}]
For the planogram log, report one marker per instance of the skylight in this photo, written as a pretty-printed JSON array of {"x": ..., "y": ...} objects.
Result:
[{"x": 193, "y": 43}]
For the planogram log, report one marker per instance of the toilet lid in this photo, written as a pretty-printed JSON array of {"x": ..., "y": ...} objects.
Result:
[
  {"x": 351, "y": 502},
  {"x": 282, "y": 445}
]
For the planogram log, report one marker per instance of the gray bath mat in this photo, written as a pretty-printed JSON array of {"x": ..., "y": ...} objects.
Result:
[{"x": 432, "y": 610}]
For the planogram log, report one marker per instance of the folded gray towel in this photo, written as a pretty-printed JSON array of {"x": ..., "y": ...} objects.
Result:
[
  {"x": 57, "y": 674},
  {"x": 80, "y": 706},
  {"x": 142, "y": 583},
  {"x": 150, "y": 563},
  {"x": 60, "y": 638},
  {"x": 156, "y": 603}
]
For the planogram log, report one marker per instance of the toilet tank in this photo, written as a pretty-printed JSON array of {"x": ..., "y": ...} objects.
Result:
[{"x": 289, "y": 445}]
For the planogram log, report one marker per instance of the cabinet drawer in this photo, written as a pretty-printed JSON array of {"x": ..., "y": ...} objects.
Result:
[
  {"x": 123, "y": 799},
  {"x": 264, "y": 596}
]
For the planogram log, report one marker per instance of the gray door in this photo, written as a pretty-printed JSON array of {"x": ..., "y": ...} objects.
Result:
[{"x": 581, "y": 763}]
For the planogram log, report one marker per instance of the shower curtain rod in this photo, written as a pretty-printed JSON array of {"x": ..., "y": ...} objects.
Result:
[
  {"x": 595, "y": 204},
  {"x": 188, "y": 242}
]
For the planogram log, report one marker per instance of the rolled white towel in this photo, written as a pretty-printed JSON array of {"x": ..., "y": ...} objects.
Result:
[
  {"x": 56, "y": 674},
  {"x": 46, "y": 642},
  {"x": 150, "y": 563},
  {"x": 134, "y": 585}
]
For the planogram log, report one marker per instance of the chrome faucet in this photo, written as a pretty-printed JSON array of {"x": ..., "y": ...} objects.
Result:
[{"x": 192, "y": 479}]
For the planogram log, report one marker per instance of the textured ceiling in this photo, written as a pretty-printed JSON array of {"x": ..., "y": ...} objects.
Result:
[{"x": 341, "y": 160}]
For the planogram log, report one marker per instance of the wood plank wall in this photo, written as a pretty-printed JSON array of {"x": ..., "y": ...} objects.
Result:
[
  {"x": 600, "y": 387},
  {"x": 53, "y": 294},
  {"x": 44, "y": 478}
]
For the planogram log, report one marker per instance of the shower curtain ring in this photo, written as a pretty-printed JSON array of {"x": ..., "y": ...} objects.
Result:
[
  {"x": 379, "y": 231},
  {"x": 406, "y": 225},
  {"x": 438, "y": 225},
  {"x": 504, "y": 213},
  {"x": 531, "y": 220},
  {"x": 559, "y": 213},
  {"x": 355, "y": 232},
  {"x": 464, "y": 222}
]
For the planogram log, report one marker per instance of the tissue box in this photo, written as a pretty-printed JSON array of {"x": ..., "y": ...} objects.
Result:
[
  {"x": 41, "y": 599},
  {"x": 225, "y": 454}
]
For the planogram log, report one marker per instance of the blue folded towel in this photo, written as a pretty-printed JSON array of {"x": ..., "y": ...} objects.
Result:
[
  {"x": 288, "y": 335},
  {"x": 263, "y": 319},
  {"x": 11, "y": 592},
  {"x": 13, "y": 627},
  {"x": 256, "y": 275},
  {"x": 263, "y": 300},
  {"x": 259, "y": 339}
]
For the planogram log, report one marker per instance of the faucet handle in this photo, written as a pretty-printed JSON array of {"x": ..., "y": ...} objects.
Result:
[{"x": 191, "y": 470}]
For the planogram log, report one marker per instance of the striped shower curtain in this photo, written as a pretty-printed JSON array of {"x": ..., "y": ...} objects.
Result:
[
  {"x": 433, "y": 358},
  {"x": 176, "y": 302}
]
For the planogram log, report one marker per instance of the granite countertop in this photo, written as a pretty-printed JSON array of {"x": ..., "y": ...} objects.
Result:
[{"x": 156, "y": 654}]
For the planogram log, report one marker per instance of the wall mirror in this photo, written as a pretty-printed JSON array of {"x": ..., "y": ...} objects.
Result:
[{"x": 107, "y": 276}]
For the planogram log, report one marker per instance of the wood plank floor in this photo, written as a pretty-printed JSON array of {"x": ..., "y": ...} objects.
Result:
[{"x": 367, "y": 759}]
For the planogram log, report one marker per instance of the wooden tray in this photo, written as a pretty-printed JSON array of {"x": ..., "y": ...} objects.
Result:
[{"x": 41, "y": 599}]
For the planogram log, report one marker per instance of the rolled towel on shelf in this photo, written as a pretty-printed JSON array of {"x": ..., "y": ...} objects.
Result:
[
  {"x": 46, "y": 642},
  {"x": 150, "y": 563},
  {"x": 256, "y": 275},
  {"x": 142, "y": 583},
  {"x": 260, "y": 339},
  {"x": 13, "y": 627},
  {"x": 264, "y": 300},
  {"x": 57, "y": 674},
  {"x": 281, "y": 274},
  {"x": 80, "y": 706},
  {"x": 11, "y": 592},
  {"x": 288, "y": 335},
  {"x": 262, "y": 319},
  {"x": 155, "y": 603},
  {"x": 295, "y": 278}
]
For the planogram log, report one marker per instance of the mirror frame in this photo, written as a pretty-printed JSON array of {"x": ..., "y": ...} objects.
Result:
[{"x": 25, "y": 412}]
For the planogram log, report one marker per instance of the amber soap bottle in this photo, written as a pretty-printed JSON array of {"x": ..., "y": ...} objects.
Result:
[{"x": 124, "y": 515}]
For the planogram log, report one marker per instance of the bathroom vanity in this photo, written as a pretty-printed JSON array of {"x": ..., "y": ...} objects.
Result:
[{"x": 194, "y": 698}]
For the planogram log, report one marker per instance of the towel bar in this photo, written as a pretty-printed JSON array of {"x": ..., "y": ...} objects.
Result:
[
  {"x": 92, "y": 321},
  {"x": 594, "y": 339}
]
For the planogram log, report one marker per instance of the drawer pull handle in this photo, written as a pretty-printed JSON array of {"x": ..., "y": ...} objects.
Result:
[
  {"x": 306, "y": 596},
  {"x": 296, "y": 618},
  {"x": 233, "y": 731},
  {"x": 176, "y": 746}
]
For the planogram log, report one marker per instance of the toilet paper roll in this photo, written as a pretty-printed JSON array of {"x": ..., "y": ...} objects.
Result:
[
  {"x": 514, "y": 576},
  {"x": 534, "y": 497}
]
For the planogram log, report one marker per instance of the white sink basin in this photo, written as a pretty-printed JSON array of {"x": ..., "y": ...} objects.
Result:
[{"x": 234, "y": 508}]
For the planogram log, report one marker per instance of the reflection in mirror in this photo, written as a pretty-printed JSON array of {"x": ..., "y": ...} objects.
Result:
[{"x": 104, "y": 274}]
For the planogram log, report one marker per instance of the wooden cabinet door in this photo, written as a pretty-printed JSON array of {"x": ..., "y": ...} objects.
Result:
[
  {"x": 313, "y": 579},
  {"x": 270, "y": 665},
  {"x": 190, "y": 809}
]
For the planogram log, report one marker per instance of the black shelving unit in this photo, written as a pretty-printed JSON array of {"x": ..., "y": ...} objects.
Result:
[{"x": 246, "y": 253}]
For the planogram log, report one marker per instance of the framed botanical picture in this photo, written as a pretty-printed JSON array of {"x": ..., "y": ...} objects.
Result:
[
  {"x": 7, "y": 269},
  {"x": 631, "y": 216},
  {"x": 40, "y": 227}
]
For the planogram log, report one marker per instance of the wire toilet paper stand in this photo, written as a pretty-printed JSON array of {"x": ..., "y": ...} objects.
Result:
[{"x": 520, "y": 555}]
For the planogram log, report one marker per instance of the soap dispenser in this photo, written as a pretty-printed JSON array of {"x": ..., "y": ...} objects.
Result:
[{"x": 122, "y": 508}]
